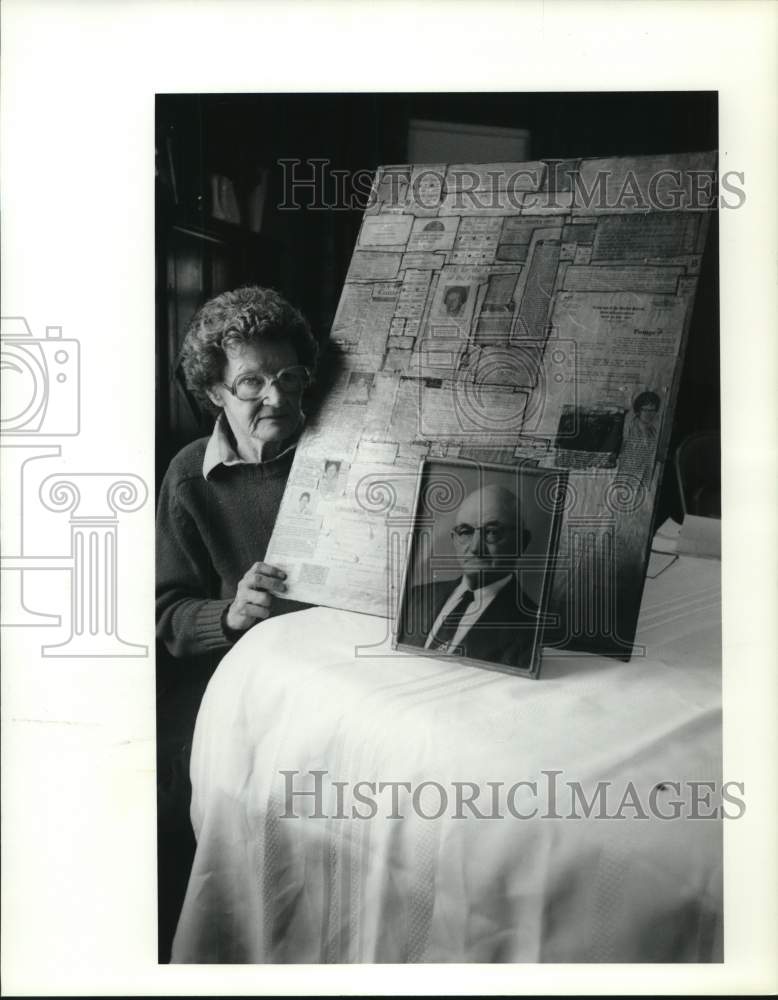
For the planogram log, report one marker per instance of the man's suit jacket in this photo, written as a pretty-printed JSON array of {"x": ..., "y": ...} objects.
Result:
[{"x": 503, "y": 634}]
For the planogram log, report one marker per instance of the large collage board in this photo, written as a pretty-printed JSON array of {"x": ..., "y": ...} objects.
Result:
[{"x": 529, "y": 313}]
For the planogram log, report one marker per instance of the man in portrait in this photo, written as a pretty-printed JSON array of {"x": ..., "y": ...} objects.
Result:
[{"x": 483, "y": 614}]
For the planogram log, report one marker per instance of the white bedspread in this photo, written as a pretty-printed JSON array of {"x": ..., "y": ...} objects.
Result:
[{"x": 294, "y": 696}]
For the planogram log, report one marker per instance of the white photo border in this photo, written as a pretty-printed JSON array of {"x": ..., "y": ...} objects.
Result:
[{"x": 77, "y": 115}]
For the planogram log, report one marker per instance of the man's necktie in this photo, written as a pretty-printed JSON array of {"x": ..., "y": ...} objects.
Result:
[{"x": 448, "y": 627}]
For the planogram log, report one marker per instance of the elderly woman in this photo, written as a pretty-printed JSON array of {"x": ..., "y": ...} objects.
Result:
[{"x": 248, "y": 356}]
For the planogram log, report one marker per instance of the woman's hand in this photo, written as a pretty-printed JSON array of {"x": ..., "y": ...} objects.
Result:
[{"x": 254, "y": 596}]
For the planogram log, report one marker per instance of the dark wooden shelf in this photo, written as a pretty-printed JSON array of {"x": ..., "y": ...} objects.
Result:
[{"x": 216, "y": 230}]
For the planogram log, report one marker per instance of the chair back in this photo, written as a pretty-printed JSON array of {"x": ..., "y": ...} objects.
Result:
[{"x": 698, "y": 471}]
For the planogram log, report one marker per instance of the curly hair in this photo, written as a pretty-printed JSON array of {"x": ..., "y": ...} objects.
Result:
[{"x": 245, "y": 316}]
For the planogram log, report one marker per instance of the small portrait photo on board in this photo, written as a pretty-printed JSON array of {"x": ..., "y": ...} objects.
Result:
[
  {"x": 480, "y": 562},
  {"x": 306, "y": 504},
  {"x": 333, "y": 478},
  {"x": 454, "y": 301},
  {"x": 358, "y": 388}
]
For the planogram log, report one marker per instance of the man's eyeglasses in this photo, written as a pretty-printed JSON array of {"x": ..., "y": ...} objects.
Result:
[
  {"x": 492, "y": 534},
  {"x": 254, "y": 385}
]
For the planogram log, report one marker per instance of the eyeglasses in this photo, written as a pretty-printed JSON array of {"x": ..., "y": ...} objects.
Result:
[
  {"x": 492, "y": 534},
  {"x": 254, "y": 385}
]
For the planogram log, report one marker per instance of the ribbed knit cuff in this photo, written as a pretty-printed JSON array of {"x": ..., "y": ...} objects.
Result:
[
  {"x": 232, "y": 634},
  {"x": 208, "y": 624}
]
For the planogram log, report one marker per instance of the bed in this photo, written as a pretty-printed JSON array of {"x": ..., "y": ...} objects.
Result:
[{"x": 480, "y": 848}]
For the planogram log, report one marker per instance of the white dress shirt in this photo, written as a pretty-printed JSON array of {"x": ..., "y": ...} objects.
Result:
[{"x": 221, "y": 449}]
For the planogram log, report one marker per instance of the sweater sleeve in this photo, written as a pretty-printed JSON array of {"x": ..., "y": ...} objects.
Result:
[{"x": 189, "y": 618}]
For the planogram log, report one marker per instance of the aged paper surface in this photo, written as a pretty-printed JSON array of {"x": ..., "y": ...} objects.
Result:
[{"x": 504, "y": 313}]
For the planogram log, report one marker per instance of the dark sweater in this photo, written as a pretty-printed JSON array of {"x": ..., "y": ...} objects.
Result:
[{"x": 209, "y": 532}]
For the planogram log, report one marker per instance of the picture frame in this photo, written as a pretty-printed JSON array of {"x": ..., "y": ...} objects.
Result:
[{"x": 480, "y": 563}]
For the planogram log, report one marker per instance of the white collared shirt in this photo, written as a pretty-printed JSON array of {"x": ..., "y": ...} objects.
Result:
[
  {"x": 482, "y": 598},
  {"x": 220, "y": 449}
]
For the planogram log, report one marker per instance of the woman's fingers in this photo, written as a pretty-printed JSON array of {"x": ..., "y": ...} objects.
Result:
[
  {"x": 268, "y": 577},
  {"x": 248, "y": 606},
  {"x": 255, "y": 595},
  {"x": 255, "y": 611}
]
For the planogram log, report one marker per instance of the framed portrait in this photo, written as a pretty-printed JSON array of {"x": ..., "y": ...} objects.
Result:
[{"x": 480, "y": 563}]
